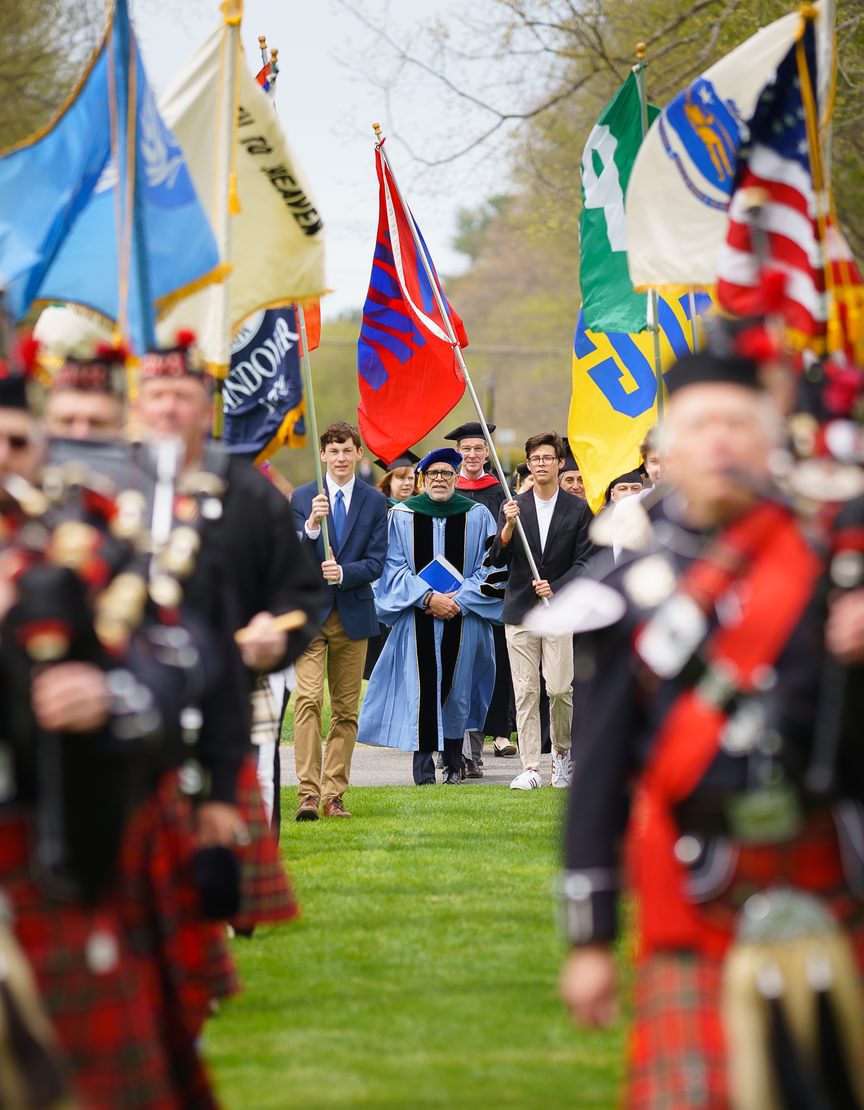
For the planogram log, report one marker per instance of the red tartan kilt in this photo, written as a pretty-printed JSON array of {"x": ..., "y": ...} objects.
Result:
[
  {"x": 107, "y": 1023},
  {"x": 161, "y": 908},
  {"x": 677, "y": 1047},
  {"x": 265, "y": 890}
]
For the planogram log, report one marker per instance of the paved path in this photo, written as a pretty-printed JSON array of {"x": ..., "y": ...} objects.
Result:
[{"x": 388, "y": 767}]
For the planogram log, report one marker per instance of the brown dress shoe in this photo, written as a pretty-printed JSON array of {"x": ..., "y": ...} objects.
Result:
[
  {"x": 333, "y": 808},
  {"x": 308, "y": 808}
]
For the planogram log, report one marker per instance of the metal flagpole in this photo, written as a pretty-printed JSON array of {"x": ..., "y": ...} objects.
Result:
[
  {"x": 306, "y": 362},
  {"x": 691, "y": 304},
  {"x": 653, "y": 300},
  {"x": 448, "y": 324}
]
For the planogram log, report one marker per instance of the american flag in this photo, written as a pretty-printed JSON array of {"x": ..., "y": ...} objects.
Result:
[{"x": 775, "y": 174}]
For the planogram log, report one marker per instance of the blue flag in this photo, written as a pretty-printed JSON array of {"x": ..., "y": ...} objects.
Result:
[
  {"x": 122, "y": 235},
  {"x": 263, "y": 394}
]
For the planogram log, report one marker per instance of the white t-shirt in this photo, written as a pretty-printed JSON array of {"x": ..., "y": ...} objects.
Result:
[{"x": 545, "y": 509}]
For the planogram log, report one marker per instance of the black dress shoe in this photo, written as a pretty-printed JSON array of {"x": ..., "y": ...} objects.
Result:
[
  {"x": 452, "y": 778},
  {"x": 473, "y": 770}
]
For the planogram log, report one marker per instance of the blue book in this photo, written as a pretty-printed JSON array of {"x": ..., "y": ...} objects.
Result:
[{"x": 441, "y": 576}]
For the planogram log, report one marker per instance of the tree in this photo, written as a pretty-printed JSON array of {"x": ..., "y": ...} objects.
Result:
[{"x": 43, "y": 47}]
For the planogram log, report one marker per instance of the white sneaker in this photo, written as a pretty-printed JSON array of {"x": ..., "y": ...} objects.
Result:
[
  {"x": 528, "y": 780},
  {"x": 562, "y": 770}
]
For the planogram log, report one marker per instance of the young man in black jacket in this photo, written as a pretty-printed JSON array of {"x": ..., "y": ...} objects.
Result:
[{"x": 556, "y": 526}]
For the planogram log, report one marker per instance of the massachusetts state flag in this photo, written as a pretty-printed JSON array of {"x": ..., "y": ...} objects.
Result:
[{"x": 406, "y": 362}]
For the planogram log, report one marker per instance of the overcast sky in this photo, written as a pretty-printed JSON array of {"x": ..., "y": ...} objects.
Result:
[{"x": 327, "y": 100}]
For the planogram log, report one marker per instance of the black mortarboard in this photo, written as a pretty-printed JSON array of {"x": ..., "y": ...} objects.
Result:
[
  {"x": 703, "y": 367},
  {"x": 407, "y": 458},
  {"x": 473, "y": 429},
  {"x": 569, "y": 464},
  {"x": 630, "y": 476}
]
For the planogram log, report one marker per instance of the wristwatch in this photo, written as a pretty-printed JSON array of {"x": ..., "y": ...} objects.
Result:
[{"x": 427, "y": 599}]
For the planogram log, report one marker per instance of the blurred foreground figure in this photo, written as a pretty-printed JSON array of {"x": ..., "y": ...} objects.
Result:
[{"x": 703, "y": 761}]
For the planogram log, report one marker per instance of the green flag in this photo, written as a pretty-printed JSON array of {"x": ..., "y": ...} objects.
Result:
[{"x": 608, "y": 301}]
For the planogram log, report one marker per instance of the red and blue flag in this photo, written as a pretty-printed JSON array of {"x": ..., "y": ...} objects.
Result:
[
  {"x": 263, "y": 77},
  {"x": 409, "y": 376}
]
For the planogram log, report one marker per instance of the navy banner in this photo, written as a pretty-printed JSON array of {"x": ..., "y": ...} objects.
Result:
[{"x": 263, "y": 394}]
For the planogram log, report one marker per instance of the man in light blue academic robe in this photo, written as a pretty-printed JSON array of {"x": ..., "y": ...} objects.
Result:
[{"x": 435, "y": 676}]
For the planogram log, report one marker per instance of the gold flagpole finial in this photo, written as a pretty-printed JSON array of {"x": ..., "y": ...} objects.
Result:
[
  {"x": 262, "y": 42},
  {"x": 232, "y": 12},
  {"x": 641, "y": 51},
  {"x": 376, "y": 127}
]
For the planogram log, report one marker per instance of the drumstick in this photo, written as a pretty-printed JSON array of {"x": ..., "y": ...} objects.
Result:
[{"x": 285, "y": 622}]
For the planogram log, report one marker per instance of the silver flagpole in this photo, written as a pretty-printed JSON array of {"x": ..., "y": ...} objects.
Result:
[
  {"x": 653, "y": 305},
  {"x": 313, "y": 422},
  {"x": 448, "y": 324},
  {"x": 691, "y": 303}
]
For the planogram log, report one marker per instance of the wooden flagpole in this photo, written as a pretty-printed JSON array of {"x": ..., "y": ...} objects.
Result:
[
  {"x": 306, "y": 363},
  {"x": 448, "y": 324}
]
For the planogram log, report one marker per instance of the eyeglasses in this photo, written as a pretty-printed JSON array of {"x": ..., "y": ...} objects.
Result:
[
  {"x": 543, "y": 460},
  {"x": 16, "y": 442},
  {"x": 440, "y": 475}
]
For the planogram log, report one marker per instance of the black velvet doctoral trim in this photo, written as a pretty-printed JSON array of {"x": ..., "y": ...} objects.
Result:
[
  {"x": 454, "y": 551},
  {"x": 424, "y": 632}
]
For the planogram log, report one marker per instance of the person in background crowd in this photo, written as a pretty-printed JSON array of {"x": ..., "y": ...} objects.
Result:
[
  {"x": 524, "y": 478},
  {"x": 399, "y": 480},
  {"x": 570, "y": 479},
  {"x": 435, "y": 676},
  {"x": 652, "y": 460},
  {"x": 556, "y": 527},
  {"x": 477, "y": 483},
  {"x": 625, "y": 485},
  {"x": 397, "y": 485},
  {"x": 356, "y": 516},
  {"x": 474, "y": 480}
]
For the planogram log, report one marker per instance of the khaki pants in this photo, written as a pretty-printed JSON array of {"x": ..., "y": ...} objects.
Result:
[
  {"x": 344, "y": 660},
  {"x": 527, "y": 652}
]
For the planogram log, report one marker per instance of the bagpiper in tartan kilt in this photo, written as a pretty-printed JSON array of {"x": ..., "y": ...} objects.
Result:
[
  {"x": 678, "y": 1047},
  {"x": 161, "y": 907},
  {"x": 104, "y": 1000},
  {"x": 266, "y": 895}
]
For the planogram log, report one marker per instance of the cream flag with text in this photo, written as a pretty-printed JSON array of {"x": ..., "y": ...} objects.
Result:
[{"x": 277, "y": 238}]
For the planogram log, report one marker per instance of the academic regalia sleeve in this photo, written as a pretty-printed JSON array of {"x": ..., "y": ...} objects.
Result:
[
  {"x": 471, "y": 595},
  {"x": 398, "y": 588},
  {"x": 605, "y": 720}
]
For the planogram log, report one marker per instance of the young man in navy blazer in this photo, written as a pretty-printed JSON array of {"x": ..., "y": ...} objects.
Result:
[{"x": 356, "y": 516}]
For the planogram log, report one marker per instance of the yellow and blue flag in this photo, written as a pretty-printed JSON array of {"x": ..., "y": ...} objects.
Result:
[
  {"x": 614, "y": 399},
  {"x": 99, "y": 208}
]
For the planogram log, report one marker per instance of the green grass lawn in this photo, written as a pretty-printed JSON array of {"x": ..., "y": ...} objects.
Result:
[{"x": 423, "y": 970}]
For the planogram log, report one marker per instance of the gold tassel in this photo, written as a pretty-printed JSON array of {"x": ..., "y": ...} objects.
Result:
[
  {"x": 233, "y": 197},
  {"x": 835, "y": 329}
]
